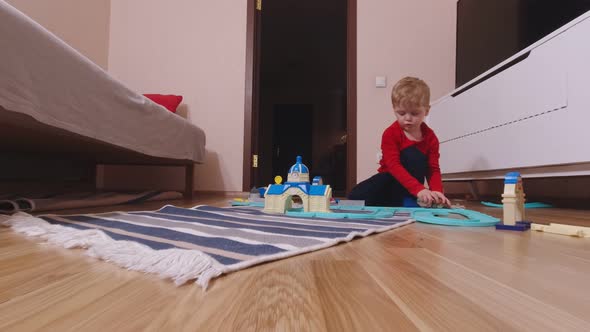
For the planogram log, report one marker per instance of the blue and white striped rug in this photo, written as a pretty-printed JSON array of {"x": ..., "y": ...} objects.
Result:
[{"x": 199, "y": 243}]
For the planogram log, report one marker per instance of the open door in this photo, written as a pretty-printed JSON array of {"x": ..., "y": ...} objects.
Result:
[{"x": 301, "y": 91}]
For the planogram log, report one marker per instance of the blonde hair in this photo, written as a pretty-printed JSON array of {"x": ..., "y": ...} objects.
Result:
[{"x": 410, "y": 92}]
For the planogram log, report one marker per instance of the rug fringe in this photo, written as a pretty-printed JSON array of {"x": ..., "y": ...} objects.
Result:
[{"x": 180, "y": 265}]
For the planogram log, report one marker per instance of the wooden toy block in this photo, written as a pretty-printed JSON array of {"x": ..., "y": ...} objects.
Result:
[{"x": 562, "y": 229}]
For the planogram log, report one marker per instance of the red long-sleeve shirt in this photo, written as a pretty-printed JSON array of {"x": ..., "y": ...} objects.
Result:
[{"x": 394, "y": 141}]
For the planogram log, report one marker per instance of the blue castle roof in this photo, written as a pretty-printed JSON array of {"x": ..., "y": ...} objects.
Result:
[
  {"x": 299, "y": 167},
  {"x": 279, "y": 189},
  {"x": 511, "y": 178},
  {"x": 318, "y": 190}
]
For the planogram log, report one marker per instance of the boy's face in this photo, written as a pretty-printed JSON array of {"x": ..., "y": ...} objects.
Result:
[{"x": 410, "y": 117}]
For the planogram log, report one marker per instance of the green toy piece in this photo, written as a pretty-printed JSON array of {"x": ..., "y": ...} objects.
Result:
[
  {"x": 467, "y": 218},
  {"x": 341, "y": 215},
  {"x": 531, "y": 205},
  {"x": 246, "y": 203},
  {"x": 438, "y": 217}
]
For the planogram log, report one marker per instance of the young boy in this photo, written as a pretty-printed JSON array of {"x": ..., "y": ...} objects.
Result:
[{"x": 410, "y": 153}]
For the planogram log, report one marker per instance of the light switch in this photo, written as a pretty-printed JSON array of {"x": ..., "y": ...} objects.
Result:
[{"x": 380, "y": 82}]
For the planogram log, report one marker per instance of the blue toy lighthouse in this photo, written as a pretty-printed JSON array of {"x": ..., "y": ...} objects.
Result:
[
  {"x": 513, "y": 200},
  {"x": 315, "y": 196}
]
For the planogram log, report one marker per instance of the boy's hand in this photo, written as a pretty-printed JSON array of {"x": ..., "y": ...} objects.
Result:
[
  {"x": 427, "y": 197},
  {"x": 441, "y": 198},
  {"x": 430, "y": 197}
]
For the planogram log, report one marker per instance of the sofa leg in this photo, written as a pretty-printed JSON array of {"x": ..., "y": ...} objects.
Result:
[{"x": 189, "y": 176}]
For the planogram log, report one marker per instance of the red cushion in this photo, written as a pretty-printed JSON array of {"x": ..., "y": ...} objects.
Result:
[{"x": 171, "y": 102}]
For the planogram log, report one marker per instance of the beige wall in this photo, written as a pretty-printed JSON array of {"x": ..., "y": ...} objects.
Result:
[
  {"x": 396, "y": 39},
  {"x": 84, "y": 25},
  {"x": 197, "y": 49}
]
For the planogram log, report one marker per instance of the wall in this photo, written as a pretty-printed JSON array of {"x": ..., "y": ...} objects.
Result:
[
  {"x": 396, "y": 39},
  {"x": 196, "y": 49},
  {"x": 84, "y": 25}
]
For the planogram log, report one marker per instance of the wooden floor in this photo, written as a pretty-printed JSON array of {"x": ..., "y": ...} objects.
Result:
[{"x": 419, "y": 277}]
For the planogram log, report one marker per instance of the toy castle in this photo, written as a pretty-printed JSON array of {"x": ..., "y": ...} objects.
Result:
[{"x": 315, "y": 196}]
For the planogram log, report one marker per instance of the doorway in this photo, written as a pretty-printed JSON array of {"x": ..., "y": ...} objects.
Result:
[
  {"x": 292, "y": 136},
  {"x": 301, "y": 91}
]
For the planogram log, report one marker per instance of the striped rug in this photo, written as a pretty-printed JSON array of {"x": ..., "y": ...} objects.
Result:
[{"x": 199, "y": 243}]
